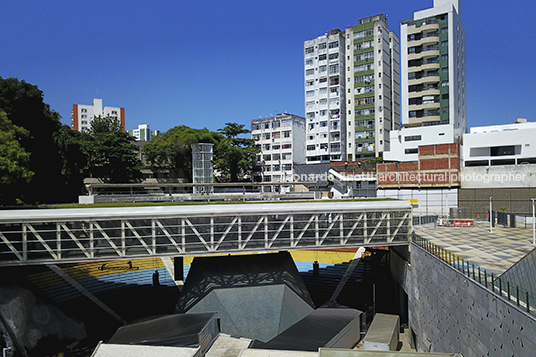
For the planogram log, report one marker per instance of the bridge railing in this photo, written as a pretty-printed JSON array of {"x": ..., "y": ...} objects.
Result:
[{"x": 104, "y": 234}]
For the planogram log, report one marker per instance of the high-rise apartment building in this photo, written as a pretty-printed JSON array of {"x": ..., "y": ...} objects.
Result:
[
  {"x": 281, "y": 140},
  {"x": 143, "y": 133},
  {"x": 324, "y": 98},
  {"x": 351, "y": 91},
  {"x": 373, "y": 88},
  {"x": 82, "y": 115},
  {"x": 433, "y": 81}
]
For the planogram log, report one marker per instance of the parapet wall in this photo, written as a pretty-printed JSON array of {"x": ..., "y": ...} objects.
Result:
[{"x": 451, "y": 313}]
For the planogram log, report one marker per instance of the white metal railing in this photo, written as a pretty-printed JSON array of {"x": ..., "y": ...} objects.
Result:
[{"x": 90, "y": 234}]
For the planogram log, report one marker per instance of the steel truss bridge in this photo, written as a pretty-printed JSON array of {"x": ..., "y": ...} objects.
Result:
[{"x": 53, "y": 236}]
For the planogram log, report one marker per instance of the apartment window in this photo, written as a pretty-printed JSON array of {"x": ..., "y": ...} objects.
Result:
[
  {"x": 286, "y": 156},
  {"x": 323, "y": 124},
  {"x": 444, "y": 57},
  {"x": 445, "y": 30},
  {"x": 309, "y": 72},
  {"x": 322, "y": 68},
  {"x": 310, "y": 104},
  {"x": 502, "y": 150},
  {"x": 266, "y": 126},
  {"x": 114, "y": 112},
  {"x": 334, "y": 68},
  {"x": 256, "y": 136},
  {"x": 276, "y": 157},
  {"x": 84, "y": 122},
  {"x": 444, "y": 43},
  {"x": 323, "y": 80},
  {"x": 309, "y": 61},
  {"x": 276, "y": 135},
  {"x": 286, "y": 146},
  {"x": 276, "y": 167},
  {"x": 310, "y": 147},
  {"x": 412, "y": 138},
  {"x": 309, "y": 83},
  {"x": 323, "y": 101},
  {"x": 84, "y": 116},
  {"x": 286, "y": 123},
  {"x": 322, "y": 46},
  {"x": 266, "y": 147},
  {"x": 286, "y": 134},
  {"x": 287, "y": 167},
  {"x": 334, "y": 44},
  {"x": 322, "y": 57},
  {"x": 276, "y": 124},
  {"x": 310, "y": 93},
  {"x": 310, "y": 115},
  {"x": 310, "y": 137},
  {"x": 84, "y": 110},
  {"x": 255, "y": 127},
  {"x": 267, "y": 157},
  {"x": 323, "y": 146},
  {"x": 323, "y": 90},
  {"x": 412, "y": 151},
  {"x": 445, "y": 70},
  {"x": 323, "y": 112},
  {"x": 309, "y": 49},
  {"x": 311, "y": 126},
  {"x": 333, "y": 56}
]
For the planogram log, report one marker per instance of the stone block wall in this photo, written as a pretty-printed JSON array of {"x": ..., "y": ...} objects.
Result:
[{"x": 451, "y": 313}]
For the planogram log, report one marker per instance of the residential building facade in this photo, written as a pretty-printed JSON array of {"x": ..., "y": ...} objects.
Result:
[
  {"x": 324, "y": 65},
  {"x": 143, "y": 133},
  {"x": 433, "y": 81},
  {"x": 281, "y": 140},
  {"x": 352, "y": 91},
  {"x": 82, "y": 115},
  {"x": 373, "y": 95}
]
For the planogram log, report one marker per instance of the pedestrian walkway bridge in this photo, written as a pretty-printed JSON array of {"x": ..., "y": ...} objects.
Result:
[{"x": 95, "y": 234}]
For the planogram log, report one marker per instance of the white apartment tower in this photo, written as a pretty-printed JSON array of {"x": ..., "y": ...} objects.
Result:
[
  {"x": 281, "y": 140},
  {"x": 324, "y": 98},
  {"x": 352, "y": 91},
  {"x": 433, "y": 81},
  {"x": 82, "y": 115},
  {"x": 373, "y": 88}
]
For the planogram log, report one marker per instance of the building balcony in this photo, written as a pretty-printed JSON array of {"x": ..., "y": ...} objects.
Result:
[
  {"x": 413, "y": 122},
  {"x": 425, "y": 106},
  {"x": 423, "y": 80},
  {"x": 428, "y": 27},
  {"x": 423, "y": 54},
  {"x": 422, "y": 92}
]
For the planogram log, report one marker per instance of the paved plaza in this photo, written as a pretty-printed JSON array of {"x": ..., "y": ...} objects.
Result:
[{"x": 495, "y": 252}]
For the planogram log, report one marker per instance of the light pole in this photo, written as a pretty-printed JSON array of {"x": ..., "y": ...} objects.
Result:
[
  {"x": 533, "y": 223},
  {"x": 490, "y": 215}
]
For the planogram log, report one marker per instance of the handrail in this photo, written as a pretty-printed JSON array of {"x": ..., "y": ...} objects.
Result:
[{"x": 514, "y": 294}]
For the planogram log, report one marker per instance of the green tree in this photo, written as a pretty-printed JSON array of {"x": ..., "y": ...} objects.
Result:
[
  {"x": 112, "y": 155},
  {"x": 14, "y": 160},
  {"x": 173, "y": 149},
  {"x": 234, "y": 156},
  {"x": 72, "y": 148},
  {"x": 24, "y": 107}
]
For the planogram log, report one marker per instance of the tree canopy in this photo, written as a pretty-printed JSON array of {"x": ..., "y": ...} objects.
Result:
[
  {"x": 14, "y": 159},
  {"x": 234, "y": 156},
  {"x": 173, "y": 149},
  {"x": 111, "y": 152},
  {"x": 24, "y": 108}
]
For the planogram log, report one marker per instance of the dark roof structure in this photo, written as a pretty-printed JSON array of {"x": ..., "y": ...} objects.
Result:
[
  {"x": 325, "y": 327},
  {"x": 256, "y": 296},
  {"x": 178, "y": 330}
]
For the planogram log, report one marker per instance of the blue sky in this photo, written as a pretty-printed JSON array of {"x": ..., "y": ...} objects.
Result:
[{"x": 205, "y": 63}]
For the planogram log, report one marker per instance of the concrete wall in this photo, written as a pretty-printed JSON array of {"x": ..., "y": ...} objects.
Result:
[
  {"x": 450, "y": 313},
  {"x": 515, "y": 200}
]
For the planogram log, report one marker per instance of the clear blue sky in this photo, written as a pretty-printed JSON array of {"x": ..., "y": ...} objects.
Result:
[{"x": 205, "y": 63}]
